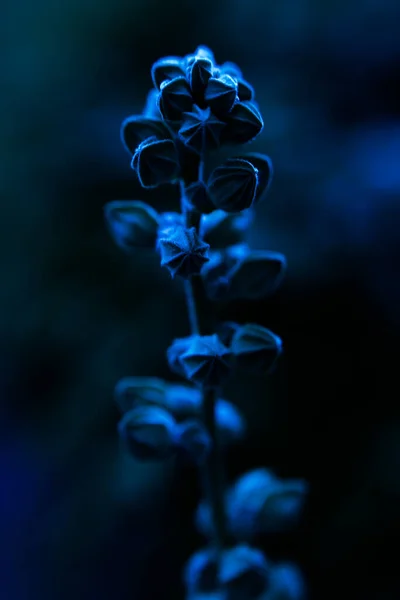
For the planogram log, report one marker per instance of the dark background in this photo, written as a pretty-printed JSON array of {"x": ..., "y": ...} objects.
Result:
[{"x": 79, "y": 518}]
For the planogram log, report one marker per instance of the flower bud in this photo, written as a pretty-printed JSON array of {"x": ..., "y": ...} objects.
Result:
[
  {"x": 256, "y": 275},
  {"x": 233, "y": 185},
  {"x": 244, "y": 123},
  {"x": 148, "y": 432},
  {"x": 174, "y": 99},
  {"x": 199, "y": 72},
  {"x": 220, "y": 94},
  {"x": 206, "y": 362},
  {"x": 132, "y": 224},
  {"x": 201, "y": 130},
  {"x": 167, "y": 68},
  {"x": 255, "y": 348},
  {"x": 156, "y": 162},
  {"x": 138, "y": 128},
  {"x": 183, "y": 252}
]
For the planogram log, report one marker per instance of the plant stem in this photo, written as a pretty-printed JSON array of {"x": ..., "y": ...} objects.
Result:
[
  {"x": 212, "y": 470},
  {"x": 191, "y": 307}
]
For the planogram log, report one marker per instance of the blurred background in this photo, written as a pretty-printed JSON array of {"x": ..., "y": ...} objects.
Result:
[{"x": 79, "y": 518}]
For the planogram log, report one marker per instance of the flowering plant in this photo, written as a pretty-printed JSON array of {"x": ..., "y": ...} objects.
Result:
[{"x": 195, "y": 107}]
